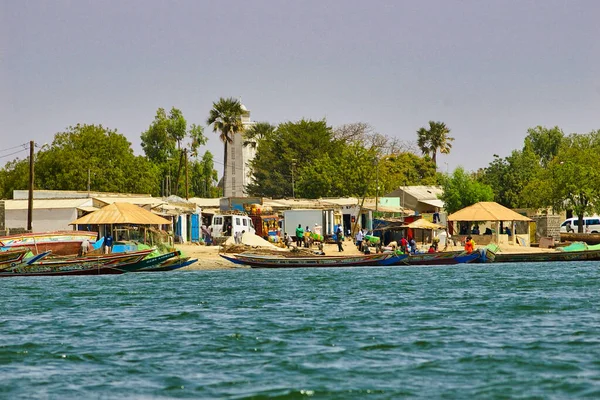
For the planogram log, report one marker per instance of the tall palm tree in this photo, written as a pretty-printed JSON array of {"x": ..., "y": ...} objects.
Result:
[
  {"x": 433, "y": 139},
  {"x": 226, "y": 119}
]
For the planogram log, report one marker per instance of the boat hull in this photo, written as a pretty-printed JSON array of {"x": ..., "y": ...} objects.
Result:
[
  {"x": 59, "y": 243},
  {"x": 90, "y": 265},
  {"x": 261, "y": 261},
  {"x": 584, "y": 255}
]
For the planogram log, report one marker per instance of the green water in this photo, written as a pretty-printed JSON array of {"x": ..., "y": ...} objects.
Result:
[{"x": 484, "y": 331}]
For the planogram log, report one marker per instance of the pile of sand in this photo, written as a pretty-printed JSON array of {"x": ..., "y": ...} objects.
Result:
[{"x": 252, "y": 240}]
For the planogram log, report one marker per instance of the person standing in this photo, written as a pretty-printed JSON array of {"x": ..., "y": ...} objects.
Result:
[
  {"x": 108, "y": 243},
  {"x": 299, "y": 235},
  {"x": 359, "y": 239},
  {"x": 339, "y": 237}
]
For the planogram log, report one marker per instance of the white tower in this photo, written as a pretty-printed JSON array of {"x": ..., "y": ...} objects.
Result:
[{"x": 238, "y": 159}]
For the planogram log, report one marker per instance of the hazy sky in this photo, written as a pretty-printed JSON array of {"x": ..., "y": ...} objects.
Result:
[{"x": 489, "y": 69}]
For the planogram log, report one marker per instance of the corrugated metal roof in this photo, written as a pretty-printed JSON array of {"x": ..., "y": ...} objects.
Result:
[
  {"x": 121, "y": 213},
  {"x": 418, "y": 192},
  {"x": 209, "y": 203},
  {"x": 153, "y": 201},
  {"x": 434, "y": 202},
  {"x": 47, "y": 204}
]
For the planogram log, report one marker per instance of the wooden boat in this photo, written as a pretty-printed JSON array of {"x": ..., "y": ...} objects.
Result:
[
  {"x": 25, "y": 261},
  {"x": 170, "y": 265},
  {"x": 59, "y": 242},
  {"x": 147, "y": 263},
  {"x": 89, "y": 265},
  {"x": 584, "y": 255},
  {"x": 12, "y": 257},
  {"x": 275, "y": 261}
]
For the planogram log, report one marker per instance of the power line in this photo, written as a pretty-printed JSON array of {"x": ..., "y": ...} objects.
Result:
[
  {"x": 24, "y": 145},
  {"x": 12, "y": 154}
]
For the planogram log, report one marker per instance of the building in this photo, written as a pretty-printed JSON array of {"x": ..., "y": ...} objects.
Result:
[{"x": 239, "y": 155}]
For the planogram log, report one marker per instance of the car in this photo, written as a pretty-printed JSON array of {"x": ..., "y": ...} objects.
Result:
[{"x": 591, "y": 225}]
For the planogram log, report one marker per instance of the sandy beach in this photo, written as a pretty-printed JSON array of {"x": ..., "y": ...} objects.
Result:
[{"x": 209, "y": 259}]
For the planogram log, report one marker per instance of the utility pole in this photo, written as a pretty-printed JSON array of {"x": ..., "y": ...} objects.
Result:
[
  {"x": 30, "y": 198},
  {"x": 293, "y": 168},
  {"x": 187, "y": 194},
  {"x": 89, "y": 181},
  {"x": 377, "y": 184}
]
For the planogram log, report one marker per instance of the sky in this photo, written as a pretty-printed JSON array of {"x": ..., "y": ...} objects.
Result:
[{"x": 489, "y": 69}]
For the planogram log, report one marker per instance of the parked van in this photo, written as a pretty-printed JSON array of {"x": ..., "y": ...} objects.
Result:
[
  {"x": 230, "y": 224},
  {"x": 590, "y": 225}
]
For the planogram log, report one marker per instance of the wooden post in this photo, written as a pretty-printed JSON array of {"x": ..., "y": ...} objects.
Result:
[
  {"x": 187, "y": 193},
  {"x": 30, "y": 198}
]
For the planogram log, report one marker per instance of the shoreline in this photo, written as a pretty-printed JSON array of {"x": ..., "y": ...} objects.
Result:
[{"x": 209, "y": 259}]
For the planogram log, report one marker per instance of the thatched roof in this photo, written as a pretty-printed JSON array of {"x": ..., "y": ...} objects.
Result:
[
  {"x": 422, "y": 223},
  {"x": 121, "y": 213},
  {"x": 486, "y": 211}
]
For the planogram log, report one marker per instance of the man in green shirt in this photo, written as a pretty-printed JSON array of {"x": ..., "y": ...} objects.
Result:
[{"x": 299, "y": 235}]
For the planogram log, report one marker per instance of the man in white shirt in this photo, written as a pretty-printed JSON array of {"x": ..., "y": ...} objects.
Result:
[{"x": 359, "y": 239}]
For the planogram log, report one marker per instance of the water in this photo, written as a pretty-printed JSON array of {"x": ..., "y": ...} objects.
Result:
[{"x": 493, "y": 331}]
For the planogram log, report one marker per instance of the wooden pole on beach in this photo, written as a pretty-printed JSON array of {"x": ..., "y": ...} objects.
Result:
[
  {"x": 30, "y": 196},
  {"x": 187, "y": 179}
]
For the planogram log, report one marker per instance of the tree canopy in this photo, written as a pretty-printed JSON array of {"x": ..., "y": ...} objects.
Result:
[{"x": 461, "y": 190}]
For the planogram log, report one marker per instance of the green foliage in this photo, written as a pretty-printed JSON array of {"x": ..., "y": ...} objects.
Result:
[
  {"x": 96, "y": 153},
  {"x": 404, "y": 169},
  {"x": 14, "y": 176},
  {"x": 571, "y": 180},
  {"x": 544, "y": 142},
  {"x": 351, "y": 171},
  {"x": 296, "y": 146},
  {"x": 157, "y": 143},
  {"x": 203, "y": 177},
  {"x": 165, "y": 145},
  {"x": 434, "y": 139},
  {"x": 323, "y": 163},
  {"x": 257, "y": 132},
  {"x": 509, "y": 176},
  {"x": 462, "y": 190}
]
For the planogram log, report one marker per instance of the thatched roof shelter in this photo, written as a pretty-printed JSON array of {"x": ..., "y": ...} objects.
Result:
[
  {"x": 486, "y": 211},
  {"x": 121, "y": 213}
]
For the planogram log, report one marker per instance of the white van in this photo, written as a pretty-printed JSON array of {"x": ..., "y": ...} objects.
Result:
[
  {"x": 590, "y": 225},
  {"x": 238, "y": 223}
]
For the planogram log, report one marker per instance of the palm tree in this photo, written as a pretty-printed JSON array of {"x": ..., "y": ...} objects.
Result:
[
  {"x": 257, "y": 132},
  {"x": 226, "y": 119},
  {"x": 433, "y": 139}
]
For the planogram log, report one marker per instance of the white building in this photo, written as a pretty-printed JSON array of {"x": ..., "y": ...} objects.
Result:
[{"x": 238, "y": 159}]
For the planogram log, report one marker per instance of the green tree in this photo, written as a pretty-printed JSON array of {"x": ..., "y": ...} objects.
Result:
[
  {"x": 544, "y": 142},
  {"x": 405, "y": 168},
  {"x": 349, "y": 171},
  {"x": 258, "y": 132},
  {"x": 166, "y": 142},
  {"x": 14, "y": 176},
  {"x": 204, "y": 177},
  {"x": 462, "y": 190},
  {"x": 282, "y": 157},
  {"x": 434, "y": 139},
  {"x": 226, "y": 119},
  {"x": 94, "y": 154},
  {"x": 570, "y": 181},
  {"x": 510, "y": 176}
]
